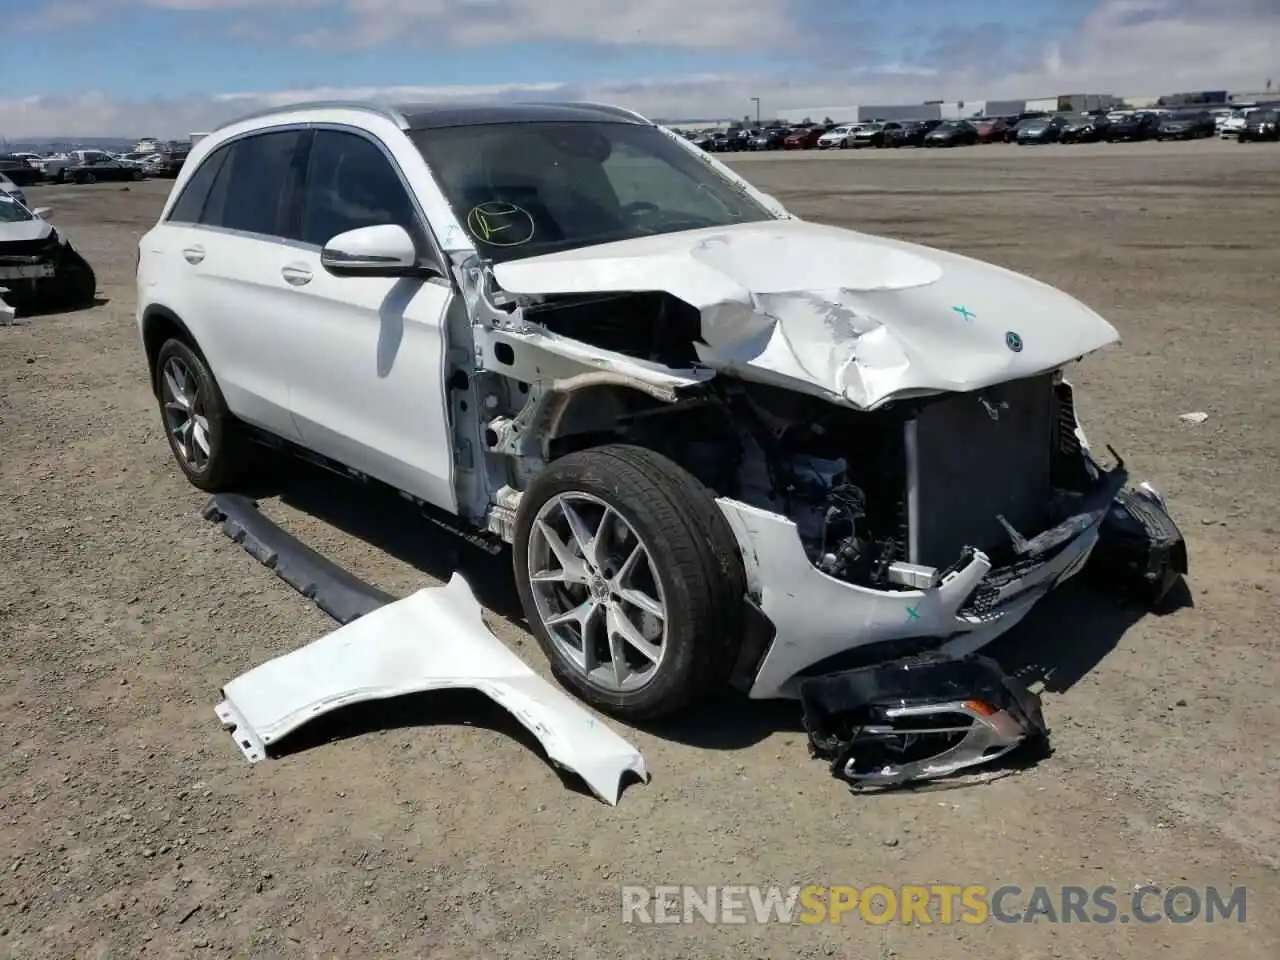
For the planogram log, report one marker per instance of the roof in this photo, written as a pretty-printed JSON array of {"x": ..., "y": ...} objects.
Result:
[
  {"x": 461, "y": 113},
  {"x": 433, "y": 116}
]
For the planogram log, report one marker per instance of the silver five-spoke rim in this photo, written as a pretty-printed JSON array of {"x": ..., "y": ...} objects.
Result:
[
  {"x": 597, "y": 591},
  {"x": 184, "y": 414}
]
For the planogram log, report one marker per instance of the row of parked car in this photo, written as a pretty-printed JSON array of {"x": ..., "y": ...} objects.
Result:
[
  {"x": 90, "y": 166},
  {"x": 1028, "y": 128}
]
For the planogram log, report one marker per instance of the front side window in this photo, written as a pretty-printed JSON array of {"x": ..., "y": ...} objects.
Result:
[
  {"x": 351, "y": 184},
  {"x": 523, "y": 189}
]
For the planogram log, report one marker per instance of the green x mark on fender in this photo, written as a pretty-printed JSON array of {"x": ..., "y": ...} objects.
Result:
[
  {"x": 913, "y": 613},
  {"x": 965, "y": 314}
]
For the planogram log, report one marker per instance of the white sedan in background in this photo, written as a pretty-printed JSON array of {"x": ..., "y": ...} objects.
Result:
[{"x": 841, "y": 136}]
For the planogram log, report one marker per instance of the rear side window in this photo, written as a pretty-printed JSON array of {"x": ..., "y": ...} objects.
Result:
[
  {"x": 257, "y": 187},
  {"x": 191, "y": 204}
]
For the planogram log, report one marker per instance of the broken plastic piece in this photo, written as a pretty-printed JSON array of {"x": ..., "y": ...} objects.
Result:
[
  {"x": 334, "y": 590},
  {"x": 919, "y": 718},
  {"x": 434, "y": 639},
  {"x": 1140, "y": 546}
]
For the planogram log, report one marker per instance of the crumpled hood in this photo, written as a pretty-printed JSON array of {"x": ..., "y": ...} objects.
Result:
[
  {"x": 35, "y": 229},
  {"x": 856, "y": 318}
]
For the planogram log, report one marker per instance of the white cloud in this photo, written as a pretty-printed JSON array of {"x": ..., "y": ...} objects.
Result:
[{"x": 1124, "y": 47}]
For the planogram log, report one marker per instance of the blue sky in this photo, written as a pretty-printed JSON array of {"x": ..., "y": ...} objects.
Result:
[{"x": 88, "y": 66}]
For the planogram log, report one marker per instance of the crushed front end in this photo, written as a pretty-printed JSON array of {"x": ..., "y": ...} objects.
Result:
[
  {"x": 39, "y": 269},
  {"x": 935, "y": 523}
]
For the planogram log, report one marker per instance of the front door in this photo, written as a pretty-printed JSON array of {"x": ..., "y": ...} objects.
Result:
[{"x": 367, "y": 385}]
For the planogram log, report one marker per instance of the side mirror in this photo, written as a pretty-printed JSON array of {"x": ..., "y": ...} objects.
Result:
[
  {"x": 385, "y": 250},
  {"x": 44, "y": 213}
]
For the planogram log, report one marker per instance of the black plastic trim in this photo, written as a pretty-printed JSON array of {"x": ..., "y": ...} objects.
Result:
[{"x": 340, "y": 594}]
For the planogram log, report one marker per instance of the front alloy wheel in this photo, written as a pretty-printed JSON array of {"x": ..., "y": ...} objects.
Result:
[
  {"x": 596, "y": 591},
  {"x": 630, "y": 579}
]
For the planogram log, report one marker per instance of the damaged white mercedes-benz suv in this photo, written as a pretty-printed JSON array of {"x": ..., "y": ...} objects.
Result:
[{"x": 725, "y": 444}]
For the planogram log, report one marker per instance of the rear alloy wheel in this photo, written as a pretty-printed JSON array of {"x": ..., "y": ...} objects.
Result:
[
  {"x": 202, "y": 434},
  {"x": 630, "y": 579},
  {"x": 87, "y": 178}
]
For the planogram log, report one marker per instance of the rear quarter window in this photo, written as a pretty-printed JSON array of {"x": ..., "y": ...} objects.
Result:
[{"x": 195, "y": 194}]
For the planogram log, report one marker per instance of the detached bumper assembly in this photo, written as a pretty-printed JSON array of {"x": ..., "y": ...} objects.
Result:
[
  {"x": 1139, "y": 546},
  {"x": 920, "y": 718}
]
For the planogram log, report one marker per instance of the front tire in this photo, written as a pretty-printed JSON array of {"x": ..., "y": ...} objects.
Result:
[
  {"x": 631, "y": 581},
  {"x": 77, "y": 283},
  {"x": 203, "y": 436}
]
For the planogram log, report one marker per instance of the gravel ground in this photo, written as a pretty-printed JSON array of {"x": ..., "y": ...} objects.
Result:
[{"x": 133, "y": 827}]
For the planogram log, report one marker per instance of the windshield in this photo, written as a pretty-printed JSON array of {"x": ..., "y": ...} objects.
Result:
[
  {"x": 1260, "y": 116},
  {"x": 524, "y": 189},
  {"x": 11, "y": 211}
]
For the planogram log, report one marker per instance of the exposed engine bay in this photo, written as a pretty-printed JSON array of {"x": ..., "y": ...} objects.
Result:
[{"x": 879, "y": 497}]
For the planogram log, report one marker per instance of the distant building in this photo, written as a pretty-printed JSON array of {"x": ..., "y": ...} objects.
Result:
[
  {"x": 1004, "y": 108},
  {"x": 837, "y": 114}
]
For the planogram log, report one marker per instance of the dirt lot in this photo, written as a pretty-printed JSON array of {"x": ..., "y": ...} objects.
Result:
[{"x": 133, "y": 827}]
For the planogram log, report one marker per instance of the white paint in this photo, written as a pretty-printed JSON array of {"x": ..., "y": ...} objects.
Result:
[
  {"x": 817, "y": 616},
  {"x": 434, "y": 639},
  {"x": 849, "y": 316}
]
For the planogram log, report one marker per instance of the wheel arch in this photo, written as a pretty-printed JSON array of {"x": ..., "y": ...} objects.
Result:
[{"x": 160, "y": 324}]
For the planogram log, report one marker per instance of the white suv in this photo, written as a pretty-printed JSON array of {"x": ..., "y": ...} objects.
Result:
[{"x": 725, "y": 443}]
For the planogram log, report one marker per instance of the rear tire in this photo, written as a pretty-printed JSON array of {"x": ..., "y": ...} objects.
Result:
[
  {"x": 688, "y": 569},
  {"x": 204, "y": 438}
]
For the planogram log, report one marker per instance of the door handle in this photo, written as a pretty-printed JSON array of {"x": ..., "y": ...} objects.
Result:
[
  {"x": 193, "y": 254},
  {"x": 295, "y": 275}
]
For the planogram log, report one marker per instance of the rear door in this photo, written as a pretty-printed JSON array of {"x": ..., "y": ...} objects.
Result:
[{"x": 229, "y": 245}]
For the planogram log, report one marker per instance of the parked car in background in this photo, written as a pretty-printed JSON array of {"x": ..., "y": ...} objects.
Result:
[
  {"x": 20, "y": 170},
  {"x": 803, "y": 138},
  {"x": 12, "y": 190},
  {"x": 873, "y": 134},
  {"x": 1233, "y": 124},
  {"x": 34, "y": 159},
  {"x": 952, "y": 133},
  {"x": 100, "y": 167},
  {"x": 1260, "y": 125},
  {"x": 38, "y": 265},
  {"x": 1085, "y": 128},
  {"x": 841, "y": 137},
  {"x": 1040, "y": 130},
  {"x": 910, "y": 134},
  {"x": 170, "y": 163},
  {"x": 1011, "y": 136},
  {"x": 1139, "y": 125},
  {"x": 992, "y": 129},
  {"x": 55, "y": 168},
  {"x": 1186, "y": 126},
  {"x": 703, "y": 139},
  {"x": 769, "y": 138}
]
